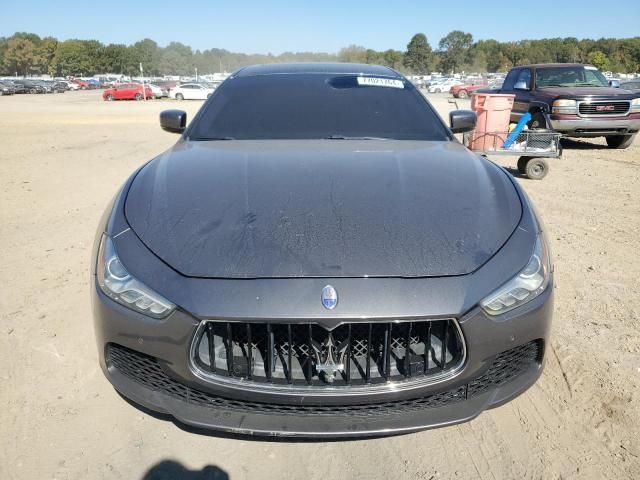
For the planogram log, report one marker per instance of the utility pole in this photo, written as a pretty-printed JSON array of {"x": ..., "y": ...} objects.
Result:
[
  {"x": 196, "y": 74},
  {"x": 144, "y": 92}
]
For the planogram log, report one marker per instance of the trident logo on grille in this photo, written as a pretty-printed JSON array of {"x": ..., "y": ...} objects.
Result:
[{"x": 329, "y": 358}]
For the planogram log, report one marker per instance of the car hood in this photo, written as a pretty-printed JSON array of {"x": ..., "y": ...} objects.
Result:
[
  {"x": 608, "y": 92},
  {"x": 325, "y": 208}
]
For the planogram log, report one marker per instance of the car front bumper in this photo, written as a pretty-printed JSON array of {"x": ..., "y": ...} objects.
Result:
[
  {"x": 156, "y": 375},
  {"x": 575, "y": 126}
]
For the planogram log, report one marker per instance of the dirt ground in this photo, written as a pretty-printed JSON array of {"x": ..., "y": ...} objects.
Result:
[{"x": 62, "y": 157}]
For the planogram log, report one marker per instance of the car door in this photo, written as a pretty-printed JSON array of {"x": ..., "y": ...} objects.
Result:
[
  {"x": 520, "y": 104},
  {"x": 189, "y": 92},
  {"x": 202, "y": 92},
  {"x": 522, "y": 90}
]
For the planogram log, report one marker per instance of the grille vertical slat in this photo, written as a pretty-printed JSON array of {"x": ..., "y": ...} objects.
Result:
[
  {"x": 212, "y": 350},
  {"x": 407, "y": 352},
  {"x": 427, "y": 347},
  {"x": 443, "y": 347},
  {"x": 368, "y": 371},
  {"x": 351, "y": 354},
  {"x": 270, "y": 357},
  {"x": 249, "y": 352},
  {"x": 348, "y": 360},
  {"x": 229, "y": 346},
  {"x": 289, "y": 354},
  {"x": 309, "y": 363},
  {"x": 387, "y": 352}
]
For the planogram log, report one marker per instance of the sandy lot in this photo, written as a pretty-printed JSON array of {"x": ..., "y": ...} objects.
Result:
[{"x": 62, "y": 157}]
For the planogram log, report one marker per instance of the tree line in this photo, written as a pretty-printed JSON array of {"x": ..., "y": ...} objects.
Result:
[{"x": 26, "y": 54}]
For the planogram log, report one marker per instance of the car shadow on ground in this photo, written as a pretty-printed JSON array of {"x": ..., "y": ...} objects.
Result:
[
  {"x": 172, "y": 470},
  {"x": 515, "y": 172},
  {"x": 574, "y": 144}
]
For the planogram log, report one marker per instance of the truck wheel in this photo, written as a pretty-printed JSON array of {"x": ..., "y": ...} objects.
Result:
[
  {"x": 536, "y": 168},
  {"x": 537, "y": 121},
  {"x": 620, "y": 141},
  {"x": 463, "y": 94}
]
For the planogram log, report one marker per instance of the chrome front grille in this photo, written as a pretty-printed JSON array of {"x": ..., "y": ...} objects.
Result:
[
  {"x": 368, "y": 355},
  {"x": 588, "y": 109}
]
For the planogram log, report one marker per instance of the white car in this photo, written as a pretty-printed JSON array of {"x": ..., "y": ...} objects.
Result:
[
  {"x": 155, "y": 90},
  {"x": 443, "y": 86},
  {"x": 190, "y": 91},
  {"x": 71, "y": 85}
]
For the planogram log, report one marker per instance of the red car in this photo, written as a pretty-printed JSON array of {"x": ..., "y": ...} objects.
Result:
[
  {"x": 126, "y": 91},
  {"x": 463, "y": 91},
  {"x": 81, "y": 83}
]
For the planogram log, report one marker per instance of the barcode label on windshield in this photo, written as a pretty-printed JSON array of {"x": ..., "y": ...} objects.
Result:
[{"x": 380, "y": 82}]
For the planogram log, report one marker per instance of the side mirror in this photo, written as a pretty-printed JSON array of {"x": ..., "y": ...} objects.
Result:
[
  {"x": 174, "y": 121},
  {"x": 614, "y": 83},
  {"x": 521, "y": 86},
  {"x": 462, "y": 121}
]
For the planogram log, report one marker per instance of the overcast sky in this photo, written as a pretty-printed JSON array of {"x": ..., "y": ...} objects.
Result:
[{"x": 323, "y": 26}]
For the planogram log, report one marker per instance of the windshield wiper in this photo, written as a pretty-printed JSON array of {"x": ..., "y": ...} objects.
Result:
[
  {"x": 345, "y": 137},
  {"x": 587, "y": 85},
  {"x": 206, "y": 139}
]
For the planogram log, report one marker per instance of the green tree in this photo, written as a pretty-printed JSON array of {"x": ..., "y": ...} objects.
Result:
[
  {"x": 21, "y": 56},
  {"x": 599, "y": 60},
  {"x": 77, "y": 57},
  {"x": 419, "y": 56},
  {"x": 116, "y": 58},
  {"x": 393, "y": 58},
  {"x": 176, "y": 58},
  {"x": 46, "y": 52},
  {"x": 353, "y": 54},
  {"x": 146, "y": 52},
  {"x": 455, "y": 47}
]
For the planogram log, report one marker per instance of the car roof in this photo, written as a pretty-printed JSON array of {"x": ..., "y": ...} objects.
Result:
[
  {"x": 317, "y": 68},
  {"x": 553, "y": 65}
]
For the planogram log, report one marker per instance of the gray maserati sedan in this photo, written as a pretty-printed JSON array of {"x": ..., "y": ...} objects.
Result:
[{"x": 319, "y": 256}]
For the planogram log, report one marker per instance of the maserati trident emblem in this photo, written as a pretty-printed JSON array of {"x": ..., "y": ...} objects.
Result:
[
  {"x": 329, "y": 358},
  {"x": 329, "y": 297}
]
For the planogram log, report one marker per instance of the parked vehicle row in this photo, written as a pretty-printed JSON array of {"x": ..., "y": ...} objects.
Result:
[{"x": 22, "y": 85}]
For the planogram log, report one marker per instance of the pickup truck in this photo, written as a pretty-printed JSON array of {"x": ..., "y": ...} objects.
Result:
[{"x": 579, "y": 100}]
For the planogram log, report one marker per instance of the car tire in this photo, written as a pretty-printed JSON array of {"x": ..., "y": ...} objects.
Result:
[
  {"x": 536, "y": 168},
  {"x": 109, "y": 98},
  {"x": 138, "y": 97},
  {"x": 179, "y": 96},
  {"x": 33, "y": 90},
  {"x": 620, "y": 141},
  {"x": 537, "y": 121},
  {"x": 463, "y": 94}
]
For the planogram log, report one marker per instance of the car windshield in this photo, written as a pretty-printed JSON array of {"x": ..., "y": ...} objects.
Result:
[
  {"x": 317, "y": 106},
  {"x": 570, "y": 77}
]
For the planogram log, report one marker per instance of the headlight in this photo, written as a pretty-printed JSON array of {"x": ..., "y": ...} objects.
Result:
[
  {"x": 564, "y": 106},
  {"x": 525, "y": 286},
  {"x": 119, "y": 285},
  {"x": 635, "y": 105}
]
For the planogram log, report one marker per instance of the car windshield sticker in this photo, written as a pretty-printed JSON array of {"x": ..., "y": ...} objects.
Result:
[
  {"x": 380, "y": 82},
  {"x": 589, "y": 67}
]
